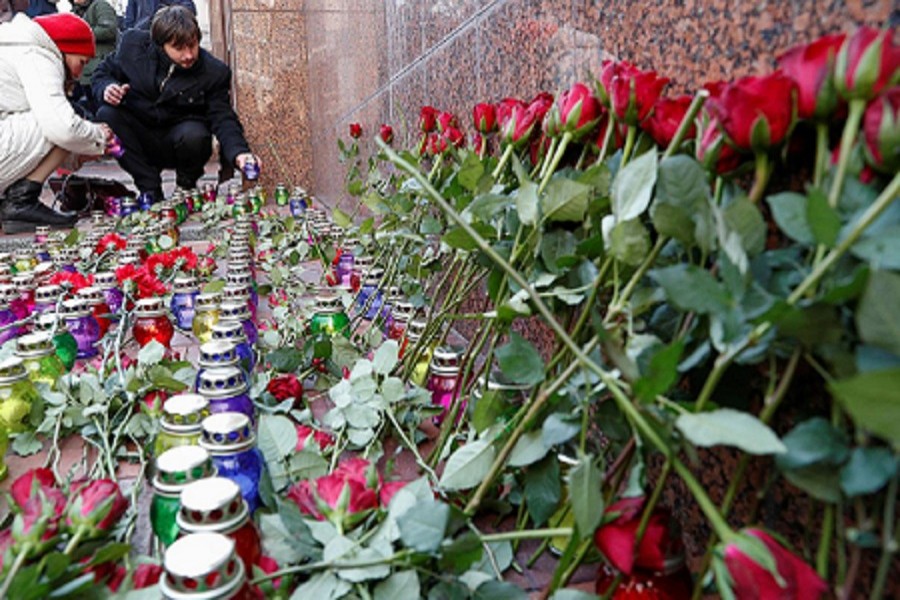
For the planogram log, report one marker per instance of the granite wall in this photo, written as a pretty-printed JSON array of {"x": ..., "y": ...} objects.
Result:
[{"x": 305, "y": 69}]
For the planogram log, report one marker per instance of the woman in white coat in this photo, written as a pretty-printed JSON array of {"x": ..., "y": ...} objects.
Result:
[{"x": 38, "y": 127}]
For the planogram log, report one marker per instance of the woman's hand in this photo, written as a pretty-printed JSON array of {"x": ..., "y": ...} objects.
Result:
[{"x": 114, "y": 93}]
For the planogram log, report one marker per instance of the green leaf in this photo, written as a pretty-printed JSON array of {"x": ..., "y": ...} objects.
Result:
[
  {"x": 276, "y": 437},
  {"x": 486, "y": 206},
  {"x": 278, "y": 542},
  {"x": 423, "y": 526},
  {"x": 691, "y": 288},
  {"x": 340, "y": 218},
  {"x": 728, "y": 427},
  {"x": 743, "y": 217},
  {"x": 386, "y": 357},
  {"x": 557, "y": 244},
  {"x": 873, "y": 402},
  {"x": 565, "y": 200},
  {"x": 461, "y": 553},
  {"x": 661, "y": 373},
  {"x": 322, "y": 586},
  {"x": 867, "y": 471},
  {"x": 570, "y": 594},
  {"x": 543, "y": 489},
  {"x": 824, "y": 222},
  {"x": 285, "y": 360},
  {"x": 468, "y": 466},
  {"x": 877, "y": 318},
  {"x": 470, "y": 172},
  {"x": 399, "y": 586},
  {"x": 519, "y": 361},
  {"x": 633, "y": 186},
  {"x": 559, "y": 428},
  {"x": 459, "y": 239},
  {"x": 673, "y": 221},
  {"x": 585, "y": 481},
  {"x": 629, "y": 241},
  {"x": 814, "y": 441},
  {"x": 529, "y": 449},
  {"x": 527, "y": 203},
  {"x": 499, "y": 590},
  {"x": 26, "y": 444},
  {"x": 789, "y": 209},
  {"x": 151, "y": 353},
  {"x": 881, "y": 250}
]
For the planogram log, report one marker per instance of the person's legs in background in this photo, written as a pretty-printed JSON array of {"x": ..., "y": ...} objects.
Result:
[
  {"x": 191, "y": 143},
  {"x": 145, "y": 149},
  {"x": 21, "y": 209}
]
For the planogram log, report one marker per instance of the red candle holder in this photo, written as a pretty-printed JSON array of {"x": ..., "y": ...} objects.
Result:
[{"x": 152, "y": 323}]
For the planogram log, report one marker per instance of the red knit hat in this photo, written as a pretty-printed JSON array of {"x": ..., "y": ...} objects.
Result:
[{"x": 71, "y": 34}]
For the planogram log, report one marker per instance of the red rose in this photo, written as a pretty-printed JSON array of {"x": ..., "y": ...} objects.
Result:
[
  {"x": 577, "y": 111},
  {"x": 753, "y": 582},
  {"x": 446, "y": 120},
  {"x": 145, "y": 575},
  {"x": 811, "y": 66},
  {"x": 477, "y": 143},
  {"x": 27, "y": 485},
  {"x": 355, "y": 130},
  {"x": 343, "y": 496},
  {"x": 629, "y": 92},
  {"x": 428, "y": 118},
  {"x": 387, "y": 134},
  {"x": 667, "y": 115},
  {"x": 616, "y": 539},
  {"x": 322, "y": 439},
  {"x": 269, "y": 566},
  {"x": 714, "y": 153},
  {"x": 485, "y": 117},
  {"x": 516, "y": 122},
  {"x": 285, "y": 387},
  {"x": 437, "y": 143},
  {"x": 867, "y": 63},
  {"x": 756, "y": 113},
  {"x": 97, "y": 506},
  {"x": 618, "y": 135},
  {"x": 110, "y": 242},
  {"x": 454, "y": 136},
  {"x": 153, "y": 401},
  {"x": 38, "y": 520},
  {"x": 881, "y": 132}
]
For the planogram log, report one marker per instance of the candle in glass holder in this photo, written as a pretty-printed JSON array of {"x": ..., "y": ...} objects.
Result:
[
  {"x": 64, "y": 343},
  {"x": 106, "y": 281},
  {"x": 175, "y": 469},
  {"x": 152, "y": 323},
  {"x": 239, "y": 313},
  {"x": 215, "y": 505},
  {"x": 83, "y": 326},
  {"x": 184, "y": 298},
  {"x": 93, "y": 297},
  {"x": 414, "y": 332},
  {"x": 230, "y": 441},
  {"x": 17, "y": 394},
  {"x": 442, "y": 380},
  {"x": 39, "y": 356},
  {"x": 180, "y": 422},
  {"x": 216, "y": 355},
  {"x": 206, "y": 314},
  {"x": 226, "y": 391},
  {"x": 329, "y": 317},
  {"x": 204, "y": 566},
  {"x": 23, "y": 304},
  {"x": 233, "y": 332},
  {"x": 239, "y": 294},
  {"x": 46, "y": 297},
  {"x": 7, "y": 317}
]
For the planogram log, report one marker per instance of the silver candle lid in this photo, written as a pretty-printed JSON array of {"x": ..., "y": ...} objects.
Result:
[
  {"x": 327, "y": 303},
  {"x": 363, "y": 263},
  {"x": 184, "y": 413},
  {"x": 46, "y": 321},
  {"x": 233, "y": 311},
  {"x": 403, "y": 311},
  {"x": 12, "y": 369},
  {"x": 179, "y": 466},
  {"x": 184, "y": 284},
  {"x": 227, "y": 432},
  {"x": 201, "y": 566},
  {"x": 445, "y": 360},
  {"x": 43, "y": 271},
  {"x": 373, "y": 276},
  {"x": 208, "y": 301},
  {"x": 5, "y": 272},
  {"x": 416, "y": 329},
  {"x": 234, "y": 293},
  {"x": 105, "y": 280},
  {"x": 149, "y": 307},
  {"x": 8, "y": 291},
  {"x": 35, "y": 345},
  {"x": 239, "y": 275},
  {"x": 75, "y": 308},
  {"x": 136, "y": 241},
  {"x": 48, "y": 294},
  {"x": 221, "y": 382},
  {"x": 129, "y": 257},
  {"x": 93, "y": 295},
  {"x": 218, "y": 353},
  {"x": 213, "y": 504},
  {"x": 24, "y": 280},
  {"x": 23, "y": 253},
  {"x": 229, "y": 331}
]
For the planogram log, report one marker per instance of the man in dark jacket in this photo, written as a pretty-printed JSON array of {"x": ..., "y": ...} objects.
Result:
[{"x": 165, "y": 97}]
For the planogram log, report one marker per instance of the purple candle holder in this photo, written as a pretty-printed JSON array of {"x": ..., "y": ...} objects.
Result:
[{"x": 226, "y": 391}]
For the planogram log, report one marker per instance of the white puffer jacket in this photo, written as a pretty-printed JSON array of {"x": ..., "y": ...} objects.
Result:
[{"x": 35, "y": 114}]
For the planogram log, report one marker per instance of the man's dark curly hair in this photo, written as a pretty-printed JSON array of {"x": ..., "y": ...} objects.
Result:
[{"x": 175, "y": 25}]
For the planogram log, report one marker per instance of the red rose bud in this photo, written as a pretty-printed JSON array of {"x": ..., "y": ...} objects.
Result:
[
  {"x": 428, "y": 118},
  {"x": 630, "y": 92},
  {"x": 343, "y": 497},
  {"x": 867, "y": 63},
  {"x": 667, "y": 115},
  {"x": 538, "y": 148},
  {"x": 576, "y": 111},
  {"x": 285, "y": 387},
  {"x": 881, "y": 132},
  {"x": 477, "y": 143},
  {"x": 446, "y": 121},
  {"x": 97, "y": 506},
  {"x": 37, "y": 524},
  {"x": 437, "y": 143},
  {"x": 387, "y": 134},
  {"x": 146, "y": 575},
  {"x": 153, "y": 402},
  {"x": 485, "y": 117},
  {"x": 714, "y": 153},
  {"x": 454, "y": 136},
  {"x": 305, "y": 433},
  {"x": 6, "y": 544},
  {"x": 756, "y": 113},
  {"x": 751, "y": 580},
  {"x": 616, "y": 539},
  {"x": 516, "y": 123},
  {"x": 811, "y": 66},
  {"x": 28, "y": 484},
  {"x": 355, "y": 130},
  {"x": 618, "y": 136}
]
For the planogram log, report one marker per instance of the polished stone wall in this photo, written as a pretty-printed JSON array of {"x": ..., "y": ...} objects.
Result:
[{"x": 305, "y": 69}]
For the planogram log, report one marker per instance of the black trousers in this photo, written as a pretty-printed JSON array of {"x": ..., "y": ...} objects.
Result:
[{"x": 185, "y": 147}]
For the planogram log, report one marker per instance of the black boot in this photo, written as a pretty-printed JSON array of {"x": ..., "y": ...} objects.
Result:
[{"x": 21, "y": 209}]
